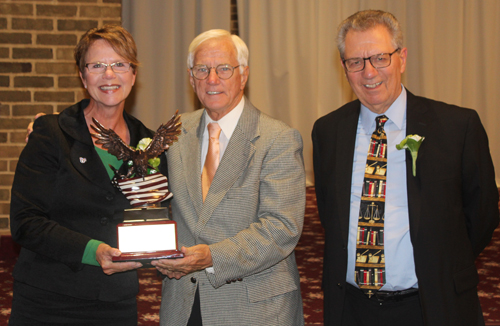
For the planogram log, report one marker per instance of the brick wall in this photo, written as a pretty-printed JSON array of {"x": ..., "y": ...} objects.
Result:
[{"x": 37, "y": 70}]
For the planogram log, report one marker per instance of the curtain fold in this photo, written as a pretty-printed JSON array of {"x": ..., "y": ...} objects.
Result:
[
  {"x": 295, "y": 71},
  {"x": 163, "y": 30}
]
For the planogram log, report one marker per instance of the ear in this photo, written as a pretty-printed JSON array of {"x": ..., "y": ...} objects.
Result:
[
  {"x": 342, "y": 64},
  {"x": 402, "y": 56},
  {"x": 134, "y": 75},
  {"x": 84, "y": 82},
  {"x": 343, "y": 67},
  {"x": 244, "y": 77},
  {"x": 191, "y": 78}
]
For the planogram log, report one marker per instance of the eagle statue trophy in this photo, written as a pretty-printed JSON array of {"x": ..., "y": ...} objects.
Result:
[{"x": 164, "y": 136}]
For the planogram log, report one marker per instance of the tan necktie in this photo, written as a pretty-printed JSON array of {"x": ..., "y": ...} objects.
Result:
[
  {"x": 213, "y": 157},
  {"x": 370, "y": 260}
]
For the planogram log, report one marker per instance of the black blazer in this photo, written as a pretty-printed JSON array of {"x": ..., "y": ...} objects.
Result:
[
  {"x": 452, "y": 203},
  {"x": 61, "y": 198}
]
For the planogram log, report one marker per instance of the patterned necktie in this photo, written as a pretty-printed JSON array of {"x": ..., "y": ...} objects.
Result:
[
  {"x": 213, "y": 157},
  {"x": 370, "y": 260}
]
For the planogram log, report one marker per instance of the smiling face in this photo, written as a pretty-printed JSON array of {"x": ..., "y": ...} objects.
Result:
[
  {"x": 218, "y": 96},
  {"x": 107, "y": 89},
  {"x": 377, "y": 89}
]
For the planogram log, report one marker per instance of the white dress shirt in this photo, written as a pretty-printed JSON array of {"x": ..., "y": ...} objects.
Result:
[{"x": 227, "y": 123}]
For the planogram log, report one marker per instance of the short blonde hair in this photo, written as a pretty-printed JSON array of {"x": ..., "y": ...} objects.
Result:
[{"x": 118, "y": 38}]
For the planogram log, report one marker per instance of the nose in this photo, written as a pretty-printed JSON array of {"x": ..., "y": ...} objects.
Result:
[
  {"x": 213, "y": 78},
  {"x": 369, "y": 70},
  {"x": 109, "y": 73}
]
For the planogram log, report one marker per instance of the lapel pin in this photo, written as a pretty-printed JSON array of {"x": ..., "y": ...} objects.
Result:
[{"x": 83, "y": 160}]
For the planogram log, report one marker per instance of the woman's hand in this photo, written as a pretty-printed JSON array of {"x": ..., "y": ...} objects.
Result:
[
  {"x": 104, "y": 256},
  {"x": 29, "y": 130}
]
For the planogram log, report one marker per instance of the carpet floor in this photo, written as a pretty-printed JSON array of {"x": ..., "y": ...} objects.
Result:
[{"x": 309, "y": 253}]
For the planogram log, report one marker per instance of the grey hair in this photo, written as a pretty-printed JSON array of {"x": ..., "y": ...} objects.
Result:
[
  {"x": 239, "y": 45},
  {"x": 368, "y": 19}
]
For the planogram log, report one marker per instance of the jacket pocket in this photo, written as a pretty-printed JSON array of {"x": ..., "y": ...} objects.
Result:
[
  {"x": 269, "y": 283},
  {"x": 466, "y": 279}
]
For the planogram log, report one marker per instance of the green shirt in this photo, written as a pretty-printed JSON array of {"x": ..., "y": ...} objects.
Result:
[{"x": 108, "y": 159}]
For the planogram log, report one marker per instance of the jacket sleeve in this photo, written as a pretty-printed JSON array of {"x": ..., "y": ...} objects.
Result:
[
  {"x": 318, "y": 178},
  {"x": 276, "y": 229},
  {"x": 480, "y": 194},
  {"x": 32, "y": 199}
]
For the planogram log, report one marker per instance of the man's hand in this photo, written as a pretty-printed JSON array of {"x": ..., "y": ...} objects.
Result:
[
  {"x": 196, "y": 258},
  {"x": 104, "y": 256},
  {"x": 29, "y": 130}
]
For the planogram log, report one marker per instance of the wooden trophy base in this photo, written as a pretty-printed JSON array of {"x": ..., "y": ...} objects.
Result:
[{"x": 146, "y": 235}]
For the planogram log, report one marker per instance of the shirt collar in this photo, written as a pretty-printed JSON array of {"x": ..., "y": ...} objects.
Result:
[
  {"x": 228, "y": 122},
  {"x": 396, "y": 114}
]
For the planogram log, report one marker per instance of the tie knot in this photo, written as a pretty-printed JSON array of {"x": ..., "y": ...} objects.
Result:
[
  {"x": 213, "y": 130},
  {"x": 381, "y": 120}
]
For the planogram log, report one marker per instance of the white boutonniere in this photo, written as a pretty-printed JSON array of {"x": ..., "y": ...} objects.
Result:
[
  {"x": 154, "y": 162},
  {"x": 412, "y": 143}
]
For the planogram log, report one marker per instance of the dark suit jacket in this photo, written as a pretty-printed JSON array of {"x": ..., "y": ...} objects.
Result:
[
  {"x": 61, "y": 198},
  {"x": 452, "y": 203}
]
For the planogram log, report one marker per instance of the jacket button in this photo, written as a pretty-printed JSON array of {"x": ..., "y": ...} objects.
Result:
[
  {"x": 193, "y": 280},
  {"x": 240, "y": 279},
  {"x": 228, "y": 281},
  {"x": 109, "y": 197},
  {"x": 339, "y": 285},
  {"x": 104, "y": 221}
]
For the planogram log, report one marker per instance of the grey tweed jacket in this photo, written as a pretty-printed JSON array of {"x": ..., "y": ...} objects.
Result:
[{"x": 252, "y": 219}]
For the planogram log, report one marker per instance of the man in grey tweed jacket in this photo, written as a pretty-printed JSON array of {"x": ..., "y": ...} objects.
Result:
[{"x": 239, "y": 266}]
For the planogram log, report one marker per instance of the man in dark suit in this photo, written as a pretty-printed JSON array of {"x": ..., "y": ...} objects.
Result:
[{"x": 439, "y": 210}]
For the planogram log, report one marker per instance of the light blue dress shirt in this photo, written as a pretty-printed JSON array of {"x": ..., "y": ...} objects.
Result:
[{"x": 398, "y": 249}]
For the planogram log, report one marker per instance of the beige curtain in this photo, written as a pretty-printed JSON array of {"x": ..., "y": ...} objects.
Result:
[
  {"x": 163, "y": 30},
  {"x": 295, "y": 72}
]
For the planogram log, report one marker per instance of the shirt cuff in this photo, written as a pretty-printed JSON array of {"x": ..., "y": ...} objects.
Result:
[{"x": 89, "y": 253}]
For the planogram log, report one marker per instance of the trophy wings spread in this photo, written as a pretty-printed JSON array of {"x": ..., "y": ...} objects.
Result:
[
  {"x": 164, "y": 136},
  {"x": 112, "y": 142}
]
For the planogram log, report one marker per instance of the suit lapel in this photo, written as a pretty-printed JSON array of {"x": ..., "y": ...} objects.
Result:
[
  {"x": 190, "y": 153},
  {"x": 417, "y": 123},
  {"x": 82, "y": 153},
  {"x": 238, "y": 153},
  {"x": 88, "y": 163},
  {"x": 345, "y": 142}
]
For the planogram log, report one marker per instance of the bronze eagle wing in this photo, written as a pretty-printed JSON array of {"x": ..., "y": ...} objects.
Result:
[
  {"x": 112, "y": 142},
  {"x": 164, "y": 136}
]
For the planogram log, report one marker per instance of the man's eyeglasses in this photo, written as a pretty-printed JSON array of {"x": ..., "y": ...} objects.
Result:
[
  {"x": 380, "y": 60},
  {"x": 100, "y": 68},
  {"x": 224, "y": 71}
]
